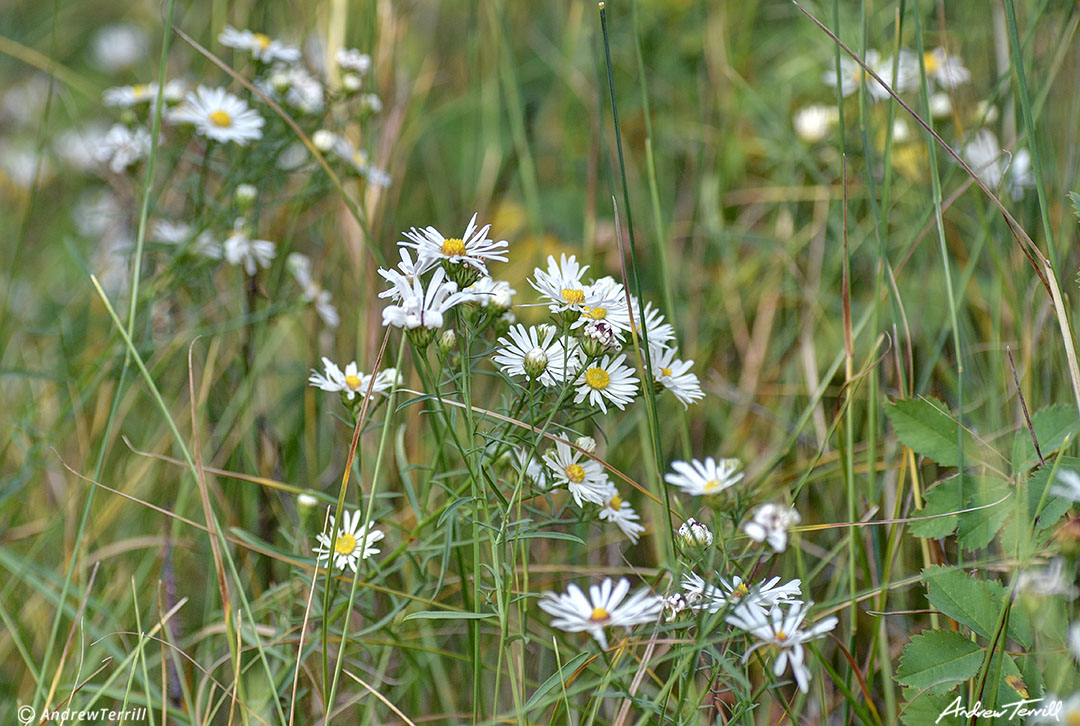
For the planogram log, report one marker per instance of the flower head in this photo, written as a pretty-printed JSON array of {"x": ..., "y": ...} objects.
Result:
[
  {"x": 780, "y": 628},
  {"x": 472, "y": 250},
  {"x": 693, "y": 532},
  {"x": 218, "y": 115},
  {"x": 583, "y": 476},
  {"x": 350, "y": 59},
  {"x": 607, "y": 380},
  {"x": 354, "y": 542},
  {"x": 675, "y": 376},
  {"x": 607, "y": 605},
  {"x": 622, "y": 514},
  {"x": 771, "y": 523},
  {"x": 240, "y": 249},
  {"x": 698, "y": 478},
  {"x": 353, "y": 381},
  {"x": 262, "y": 47},
  {"x": 421, "y": 306},
  {"x": 538, "y": 353}
]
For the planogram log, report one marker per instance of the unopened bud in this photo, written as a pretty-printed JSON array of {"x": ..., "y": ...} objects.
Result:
[
  {"x": 447, "y": 341},
  {"x": 351, "y": 82},
  {"x": 323, "y": 139},
  {"x": 694, "y": 533},
  {"x": 535, "y": 363},
  {"x": 245, "y": 196},
  {"x": 586, "y": 443}
]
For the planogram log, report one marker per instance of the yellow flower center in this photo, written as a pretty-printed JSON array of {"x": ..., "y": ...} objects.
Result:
[
  {"x": 575, "y": 473},
  {"x": 595, "y": 313},
  {"x": 666, "y": 372},
  {"x": 615, "y": 503},
  {"x": 597, "y": 378},
  {"x": 599, "y": 615},
  {"x": 220, "y": 118},
  {"x": 262, "y": 40},
  {"x": 142, "y": 89},
  {"x": 574, "y": 297},
  {"x": 781, "y": 635},
  {"x": 453, "y": 247},
  {"x": 931, "y": 62},
  {"x": 740, "y": 590},
  {"x": 712, "y": 485},
  {"x": 353, "y": 382},
  {"x": 345, "y": 544}
]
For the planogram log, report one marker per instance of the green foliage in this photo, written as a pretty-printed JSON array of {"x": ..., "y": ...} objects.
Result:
[
  {"x": 925, "y": 426},
  {"x": 937, "y": 661},
  {"x": 973, "y": 602}
]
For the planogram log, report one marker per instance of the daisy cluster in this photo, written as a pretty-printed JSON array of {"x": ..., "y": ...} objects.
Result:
[{"x": 946, "y": 76}]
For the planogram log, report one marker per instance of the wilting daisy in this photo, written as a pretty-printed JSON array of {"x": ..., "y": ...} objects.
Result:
[
  {"x": 623, "y": 516},
  {"x": 354, "y": 542},
  {"x": 122, "y": 147},
  {"x": 472, "y": 250},
  {"x": 422, "y": 307},
  {"x": 673, "y": 375},
  {"x": 607, "y": 605},
  {"x": 698, "y": 478},
  {"x": 353, "y": 381},
  {"x": 607, "y": 380},
  {"x": 350, "y": 59},
  {"x": 219, "y": 115},
  {"x": 206, "y": 246},
  {"x": 693, "y": 532},
  {"x": 262, "y": 47},
  {"x": 583, "y": 476},
  {"x": 781, "y": 629},
  {"x": 771, "y": 523},
  {"x": 240, "y": 249},
  {"x": 538, "y": 353}
]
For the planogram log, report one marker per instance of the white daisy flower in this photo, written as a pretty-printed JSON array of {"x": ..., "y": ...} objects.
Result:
[
  {"x": 607, "y": 605},
  {"x": 736, "y": 592},
  {"x": 119, "y": 46},
  {"x": 813, "y": 123},
  {"x": 607, "y": 380},
  {"x": 1021, "y": 174},
  {"x": 1074, "y": 640},
  {"x": 583, "y": 476},
  {"x": 609, "y": 308},
  {"x": 354, "y": 542},
  {"x": 771, "y": 523},
  {"x": 130, "y": 96},
  {"x": 985, "y": 157},
  {"x": 350, "y": 59},
  {"x": 622, "y": 514},
  {"x": 240, "y": 249},
  {"x": 405, "y": 274},
  {"x": 693, "y": 532},
  {"x": 206, "y": 246},
  {"x": 488, "y": 292},
  {"x": 421, "y": 307},
  {"x": 353, "y": 381},
  {"x": 324, "y": 307},
  {"x": 171, "y": 232},
  {"x": 1068, "y": 485},
  {"x": 659, "y": 333},
  {"x": 947, "y": 70},
  {"x": 781, "y": 629},
  {"x": 295, "y": 86},
  {"x": 300, "y": 267},
  {"x": 698, "y": 478},
  {"x": 123, "y": 146},
  {"x": 852, "y": 75},
  {"x": 218, "y": 115},
  {"x": 563, "y": 286},
  {"x": 534, "y": 472},
  {"x": 1048, "y": 581},
  {"x": 473, "y": 249},
  {"x": 674, "y": 375},
  {"x": 538, "y": 353},
  {"x": 371, "y": 102},
  {"x": 262, "y": 47}
]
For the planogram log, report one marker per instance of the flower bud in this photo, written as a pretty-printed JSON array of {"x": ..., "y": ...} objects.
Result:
[
  {"x": 351, "y": 82},
  {"x": 447, "y": 341},
  {"x": 306, "y": 501},
  {"x": 245, "y": 196},
  {"x": 587, "y": 443},
  {"x": 535, "y": 363},
  {"x": 323, "y": 139},
  {"x": 280, "y": 81},
  {"x": 598, "y": 337},
  {"x": 695, "y": 534}
]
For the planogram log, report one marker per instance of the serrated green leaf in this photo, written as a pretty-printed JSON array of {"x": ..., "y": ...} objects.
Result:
[
  {"x": 937, "y": 660},
  {"x": 973, "y": 602},
  {"x": 926, "y": 708},
  {"x": 943, "y": 498},
  {"x": 1019, "y": 528},
  {"x": 927, "y": 428},
  {"x": 1052, "y": 424},
  {"x": 977, "y": 529},
  {"x": 1075, "y": 202}
]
